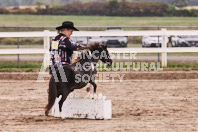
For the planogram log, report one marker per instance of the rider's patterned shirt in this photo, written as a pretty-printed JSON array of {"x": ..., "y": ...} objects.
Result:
[{"x": 61, "y": 50}]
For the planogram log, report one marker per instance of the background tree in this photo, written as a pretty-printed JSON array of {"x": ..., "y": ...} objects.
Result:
[
  {"x": 112, "y": 7},
  {"x": 39, "y": 4},
  {"x": 180, "y": 3}
]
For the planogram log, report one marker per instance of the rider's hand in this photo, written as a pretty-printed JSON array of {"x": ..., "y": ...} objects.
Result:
[{"x": 82, "y": 47}]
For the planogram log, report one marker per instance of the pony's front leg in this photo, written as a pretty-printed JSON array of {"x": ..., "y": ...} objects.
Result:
[
  {"x": 64, "y": 96},
  {"x": 94, "y": 85}
]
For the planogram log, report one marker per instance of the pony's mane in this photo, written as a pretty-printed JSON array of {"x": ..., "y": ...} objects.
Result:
[
  {"x": 95, "y": 46},
  {"x": 91, "y": 47}
]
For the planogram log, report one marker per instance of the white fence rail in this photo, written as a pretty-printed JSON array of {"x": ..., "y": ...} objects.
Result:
[{"x": 46, "y": 34}]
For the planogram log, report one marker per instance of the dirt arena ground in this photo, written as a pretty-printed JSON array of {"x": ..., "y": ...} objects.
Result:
[{"x": 155, "y": 102}]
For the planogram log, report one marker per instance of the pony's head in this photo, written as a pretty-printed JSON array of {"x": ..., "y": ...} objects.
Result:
[{"x": 99, "y": 51}]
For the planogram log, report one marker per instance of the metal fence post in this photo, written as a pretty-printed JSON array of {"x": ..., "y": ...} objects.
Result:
[
  {"x": 158, "y": 54},
  {"x": 18, "y": 59},
  {"x": 46, "y": 46},
  {"x": 164, "y": 46}
]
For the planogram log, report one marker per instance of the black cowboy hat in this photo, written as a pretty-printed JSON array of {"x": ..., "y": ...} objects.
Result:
[{"x": 67, "y": 24}]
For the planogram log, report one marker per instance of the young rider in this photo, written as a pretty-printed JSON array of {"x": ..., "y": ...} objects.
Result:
[{"x": 62, "y": 46}]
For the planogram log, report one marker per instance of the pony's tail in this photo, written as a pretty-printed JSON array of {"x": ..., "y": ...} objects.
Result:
[{"x": 52, "y": 93}]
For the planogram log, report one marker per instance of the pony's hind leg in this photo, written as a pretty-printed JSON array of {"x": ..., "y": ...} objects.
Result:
[{"x": 52, "y": 93}]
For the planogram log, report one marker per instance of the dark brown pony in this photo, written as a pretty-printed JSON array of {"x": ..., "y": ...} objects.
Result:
[{"x": 76, "y": 76}]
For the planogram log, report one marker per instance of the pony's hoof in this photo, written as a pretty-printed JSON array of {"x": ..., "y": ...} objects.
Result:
[
  {"x": 88, "y": 89},
  {"x": 46, "y": 113}
]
